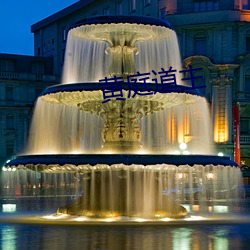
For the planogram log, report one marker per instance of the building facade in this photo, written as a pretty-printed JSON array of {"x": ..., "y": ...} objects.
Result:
[
  {"x": 213, "y": 35},
  {"x": 22, "y": 79}
]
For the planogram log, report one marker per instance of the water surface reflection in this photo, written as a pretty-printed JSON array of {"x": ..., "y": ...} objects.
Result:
[{"x": 125, "y": 237}]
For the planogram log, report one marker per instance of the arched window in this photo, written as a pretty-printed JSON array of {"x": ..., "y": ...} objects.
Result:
[
  {"x": 200, "y": 44},
  {"x": 247, "y": 81},
  {"x": 247, "y": 41}
]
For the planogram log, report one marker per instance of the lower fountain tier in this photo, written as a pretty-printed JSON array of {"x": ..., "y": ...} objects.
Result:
[{"x": 87, "y": 162}]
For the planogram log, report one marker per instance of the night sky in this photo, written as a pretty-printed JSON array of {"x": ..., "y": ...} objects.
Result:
[{"x": 16, "y": 17}]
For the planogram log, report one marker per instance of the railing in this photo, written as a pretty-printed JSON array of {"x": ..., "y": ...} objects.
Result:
[
  {"x": 190, "y": 9},
  {"x": 245, "y": 139},
  {"x": 28, "y": 76}
]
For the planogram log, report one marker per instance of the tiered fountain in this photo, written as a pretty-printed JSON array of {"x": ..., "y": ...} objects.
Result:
[{"x": 127, "y": 151}]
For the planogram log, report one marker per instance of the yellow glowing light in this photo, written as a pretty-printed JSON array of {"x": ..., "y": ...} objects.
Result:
[
  {"x": 221, "y": 130},
  {"x": 165, "y": 219},
  {"x": 55, "y": 217},
  {"x": 108, "y": 220},
  {"x": 220, "y": 154},
  {"x": 80, "y": 219},
  {"x": 196, "y": 208},
  {"x": 140, "y": 220}
]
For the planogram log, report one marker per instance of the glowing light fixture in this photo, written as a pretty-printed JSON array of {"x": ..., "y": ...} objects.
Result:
[
  {"x": 210, "y": 175},
  {"x": 180, "y": 175},
  {"x": 220, "y": 154},
  {"x": 183, "y": 146},
  {"x": 9, "y": 208}
]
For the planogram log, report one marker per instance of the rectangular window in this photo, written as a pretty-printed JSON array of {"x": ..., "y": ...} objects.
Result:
[
  {"x": 9, "y": 93},
  {"x": 38, "y": 91},
  {"x": 64, "y": 34},
  {"x": 133, "y": 5},
  {"x": 10, "y": 148},
  {"x": 119, "y": 8},
  {"x": 94, "y": 13},
  {"x": 37, "y": 67},
  {"x": 248, "y": 41},
  {"x": 106, "y": 11},
  {"x": 162, "y": 13},
  {"x": 171, "y": 7},
  {"x": 245, "y": 4},
  {"x": 200, "y": 46},
  {"x": 247, "y": 84},
  {"x": 7, "y": 65},
  {"x": 248, "y": 44},
  {"x": 244, "y": 126},
  {"x": 9, "y": 122},
  {"x": 203, "y": 5}
]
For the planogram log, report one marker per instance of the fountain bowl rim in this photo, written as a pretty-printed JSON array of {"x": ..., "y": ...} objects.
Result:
[
  {"x": 145, "y": 20},
  {"x": 126, "y": 159},
  {"x": 91, "y": 86}
]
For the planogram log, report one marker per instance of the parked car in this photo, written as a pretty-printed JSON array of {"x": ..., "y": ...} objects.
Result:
[
  {"x": 185, "y": 190},
  {"x": 237, "y": 191}
]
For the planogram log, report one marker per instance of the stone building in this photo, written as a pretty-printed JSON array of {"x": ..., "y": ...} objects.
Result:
[
  {"x": 22, "y": 79},
  {"x": 213, "y": 34}
]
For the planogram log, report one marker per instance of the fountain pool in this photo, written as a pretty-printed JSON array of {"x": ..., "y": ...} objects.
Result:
[{"x": 138, "y": 158}]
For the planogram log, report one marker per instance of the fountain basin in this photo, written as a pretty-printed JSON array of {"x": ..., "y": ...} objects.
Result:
[
  {"x": 78, "y": 93},
  {"x": 111, "y": 28},
  {"x": 74, "y": 162}
]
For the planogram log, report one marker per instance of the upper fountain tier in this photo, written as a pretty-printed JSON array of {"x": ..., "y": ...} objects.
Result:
[{"x": 131, "y": 44}]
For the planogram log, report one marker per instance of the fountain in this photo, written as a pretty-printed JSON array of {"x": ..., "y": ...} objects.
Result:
[{"x": 129, "y": 148}]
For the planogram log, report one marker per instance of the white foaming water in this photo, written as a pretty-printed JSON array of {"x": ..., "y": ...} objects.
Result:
[
  {"x": 60, "y": 129},
  {"x": 86, "y": 61},
  {"x": 63, "y": 129},
  {"x": 134, "y": 188}
]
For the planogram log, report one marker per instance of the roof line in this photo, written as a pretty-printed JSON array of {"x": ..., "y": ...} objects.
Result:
[{"x": 60, "y": 14}]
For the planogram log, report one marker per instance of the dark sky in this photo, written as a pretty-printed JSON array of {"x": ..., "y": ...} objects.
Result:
[{"x": 16, "y": 17}]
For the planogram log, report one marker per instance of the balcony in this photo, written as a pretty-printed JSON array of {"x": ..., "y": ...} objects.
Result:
[
  {"x": 218, "y": 16},
  {"x": 245, "y": 139},
  {"x": 28, "y": 77}
]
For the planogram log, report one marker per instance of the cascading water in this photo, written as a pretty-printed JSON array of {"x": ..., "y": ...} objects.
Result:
[{"x": 137, "y": 157}]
